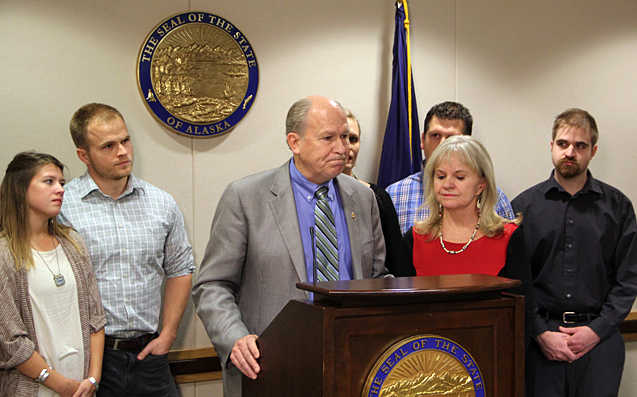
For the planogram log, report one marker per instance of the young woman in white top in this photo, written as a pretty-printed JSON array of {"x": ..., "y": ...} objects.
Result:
[{"x": 51, "y": 316}]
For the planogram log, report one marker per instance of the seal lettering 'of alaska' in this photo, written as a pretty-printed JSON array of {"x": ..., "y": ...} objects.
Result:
[{"x": 197, "y": 74}]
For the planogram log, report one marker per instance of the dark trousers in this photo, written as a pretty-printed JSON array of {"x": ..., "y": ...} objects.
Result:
[
  {"x": 596, "y": 374},
  {"x": 123, "y": 375}
]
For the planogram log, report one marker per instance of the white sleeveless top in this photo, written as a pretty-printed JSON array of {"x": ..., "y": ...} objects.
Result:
[{"x": 56, "y": 316}]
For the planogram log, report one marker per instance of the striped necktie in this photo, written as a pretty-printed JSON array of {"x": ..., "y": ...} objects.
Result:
[{"x": 326, "y": 241}]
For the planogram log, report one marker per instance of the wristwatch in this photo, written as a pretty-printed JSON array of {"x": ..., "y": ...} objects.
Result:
[{"x": 94, "y": 382}]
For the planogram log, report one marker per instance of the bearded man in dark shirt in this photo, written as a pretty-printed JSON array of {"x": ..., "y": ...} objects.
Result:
[{"x": 579, "y": 239}]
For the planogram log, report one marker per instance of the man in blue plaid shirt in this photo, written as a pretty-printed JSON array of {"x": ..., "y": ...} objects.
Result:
[
  {"x": 442, "y": 121},
  {"x": 135, "y": 236}
]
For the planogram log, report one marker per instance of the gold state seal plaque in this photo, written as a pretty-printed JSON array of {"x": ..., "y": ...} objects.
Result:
[
  {"x": 197, "y": 74},
  {"x": 424, "y": 366}
]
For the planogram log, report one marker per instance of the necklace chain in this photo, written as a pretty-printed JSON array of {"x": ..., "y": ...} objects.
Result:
[
  {"x": 464, "y": 247},
  {"x": 58, "y": 278}
]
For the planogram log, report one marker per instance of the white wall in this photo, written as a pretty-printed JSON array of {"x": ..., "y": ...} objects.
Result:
[
  {"x": 521, "y": 63},
  {"x": 515, "y": 64}
]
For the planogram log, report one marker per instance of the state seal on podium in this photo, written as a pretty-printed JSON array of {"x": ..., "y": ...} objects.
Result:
[
  {"x": 425, "y": 365},
  {"x": 197, "y": 74}
]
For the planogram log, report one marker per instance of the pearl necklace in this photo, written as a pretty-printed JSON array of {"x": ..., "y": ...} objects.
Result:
[{"x": 452, "y": 252}]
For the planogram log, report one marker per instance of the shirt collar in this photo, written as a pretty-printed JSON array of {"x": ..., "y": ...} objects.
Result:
[
  {"x": 307, "y": 188},
  {"x": 420, "y": 176},
  {"x": 591, "y": 185},
  {"x": 87, "y": 186}
]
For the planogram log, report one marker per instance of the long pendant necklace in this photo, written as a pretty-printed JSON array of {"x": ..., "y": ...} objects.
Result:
[
  {"x": 58, "y": 278},
  {"x": 452, "y": 252}
]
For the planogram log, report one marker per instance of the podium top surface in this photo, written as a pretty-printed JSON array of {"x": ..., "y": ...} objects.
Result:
[{"x": 422, "y": 288}]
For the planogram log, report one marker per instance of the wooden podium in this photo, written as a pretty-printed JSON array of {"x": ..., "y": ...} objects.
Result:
[{"x": 328, "y": 346}]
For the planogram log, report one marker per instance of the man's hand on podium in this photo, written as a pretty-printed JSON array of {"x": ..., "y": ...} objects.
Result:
[{"x": 244, "y": 356}]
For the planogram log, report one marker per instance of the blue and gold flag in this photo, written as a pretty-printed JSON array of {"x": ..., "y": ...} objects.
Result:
[{"x": 401, "y": 154}]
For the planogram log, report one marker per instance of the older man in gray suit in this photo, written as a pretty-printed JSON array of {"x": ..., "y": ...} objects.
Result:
[{"x": 263, "y": 236}]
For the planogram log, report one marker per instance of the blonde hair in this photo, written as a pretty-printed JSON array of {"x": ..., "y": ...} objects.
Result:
[
  {"x": 472, "y": 153},
  {"x": 14, "y": 225},
  {"x": 350, "y": 116}
]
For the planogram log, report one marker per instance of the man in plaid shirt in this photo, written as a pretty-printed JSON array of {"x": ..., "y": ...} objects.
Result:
[
  {"x": 135, "y": 236},
  {"x": 442, "y": 121}
]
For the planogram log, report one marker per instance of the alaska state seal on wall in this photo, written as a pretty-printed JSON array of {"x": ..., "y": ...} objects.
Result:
[
  {"x": 197, "y": 73},
  {"x": 425, "y": 365}
]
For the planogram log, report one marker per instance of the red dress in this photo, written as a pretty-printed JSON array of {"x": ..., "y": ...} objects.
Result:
[{"x": 486, "y": 255}]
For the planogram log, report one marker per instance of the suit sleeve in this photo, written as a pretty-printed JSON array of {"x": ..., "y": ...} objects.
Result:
[
  {"x": 378, "y": 264},
  {"x": 519, "y": 264},
  {"x": 408, "y": 241},
  {"x": 396, "y": 252},
  {"x": 518, "y": 267},
  {"x": 216, "y": 287}
]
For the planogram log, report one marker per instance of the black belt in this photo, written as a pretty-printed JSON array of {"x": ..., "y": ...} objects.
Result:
[
  {"x": 569, "y": 317},
  {"x": 134, "y": 345}
]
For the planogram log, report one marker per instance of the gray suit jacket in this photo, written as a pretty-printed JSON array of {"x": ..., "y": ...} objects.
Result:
[{"x": 255, "y": 257}]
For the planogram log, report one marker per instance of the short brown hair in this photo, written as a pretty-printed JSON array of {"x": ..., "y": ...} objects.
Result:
[
  {"x": 579, "y": 118},
  {"x": 450, "y": 111},
  {"x": 83, "y": 117}
]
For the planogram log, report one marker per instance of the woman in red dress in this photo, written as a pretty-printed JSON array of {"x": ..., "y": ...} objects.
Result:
[{"x": 463, "y": 233}]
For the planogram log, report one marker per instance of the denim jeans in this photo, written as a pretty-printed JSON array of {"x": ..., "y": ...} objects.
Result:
[{"x": 124, "y": 375}]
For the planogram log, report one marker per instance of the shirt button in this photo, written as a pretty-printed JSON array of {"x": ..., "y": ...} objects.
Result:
[
  {"x": 569, "y": 245},
  {"x": 568, "y": 295},
  {"x": 570, "y": 222}
]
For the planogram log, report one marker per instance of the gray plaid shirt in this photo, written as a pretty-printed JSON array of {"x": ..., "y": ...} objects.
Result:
[{"x": 134, "y": 243}]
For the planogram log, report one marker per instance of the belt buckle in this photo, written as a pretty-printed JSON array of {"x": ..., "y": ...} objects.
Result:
[
  {"x": 564, "y": 318},
  {"x": 116, "y": 344}
]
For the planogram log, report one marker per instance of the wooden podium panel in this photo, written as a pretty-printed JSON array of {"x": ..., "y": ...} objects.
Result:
[{"x": 327, "y": 347}]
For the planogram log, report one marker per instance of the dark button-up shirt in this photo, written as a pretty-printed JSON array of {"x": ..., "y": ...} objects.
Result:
[{"x": 582, "y": 250}]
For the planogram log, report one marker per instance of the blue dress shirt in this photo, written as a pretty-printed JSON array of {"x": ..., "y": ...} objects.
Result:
[{"x": 305, "y": 201}]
